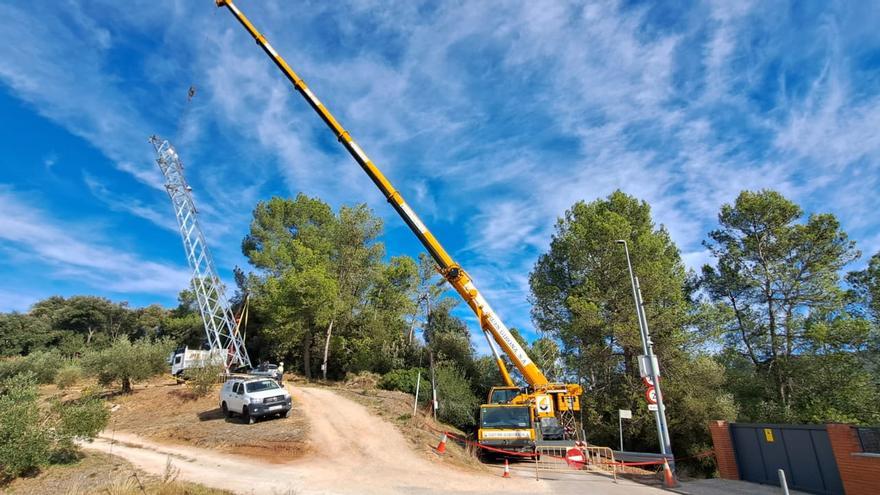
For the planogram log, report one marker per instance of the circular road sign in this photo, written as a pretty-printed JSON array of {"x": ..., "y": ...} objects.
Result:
[
  {"x": 575, "y": 458},
  {"x": 651, "y": 395}
]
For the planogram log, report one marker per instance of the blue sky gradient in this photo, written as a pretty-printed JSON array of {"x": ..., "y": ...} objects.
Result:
[{"x": 492, "y": 118}]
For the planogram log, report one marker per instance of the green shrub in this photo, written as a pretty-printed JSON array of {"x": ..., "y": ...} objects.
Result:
[
  {"x": 125, "y": 361},
  {"x": 458, "y": 404},
  {"x": 25, "y": 444},
  {"x": 68, "y": 375},
  {"x": 32, "y": 436},
  {"x": 201, "y": 381},
  {"x": 405, "y": 381},
  {"x": 83, "y": 418},
  {"x": 43, "y": 365}
]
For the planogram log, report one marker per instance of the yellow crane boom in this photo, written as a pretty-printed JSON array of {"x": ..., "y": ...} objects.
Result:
[{"x": 452, "y": 271}]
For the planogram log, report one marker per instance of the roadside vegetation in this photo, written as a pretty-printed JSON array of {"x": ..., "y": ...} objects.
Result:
[
  {"x": 106, "y": 474},
  {"x": 34, "y": 434},
  {"x": 745, "y": 338}
]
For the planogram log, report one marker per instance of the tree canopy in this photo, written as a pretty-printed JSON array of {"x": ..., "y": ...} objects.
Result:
[
  {"x": 784, "y": 313},
  {"x": 321, "y": 273},
  {"x": 582, "y": 297}
]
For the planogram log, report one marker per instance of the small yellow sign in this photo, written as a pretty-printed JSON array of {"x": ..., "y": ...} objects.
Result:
[{"x": 768, "y": 434}]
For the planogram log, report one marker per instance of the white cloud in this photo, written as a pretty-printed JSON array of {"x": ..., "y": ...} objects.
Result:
[
  {"x": 58, "y": 65},
  {"x": 50, "y": 160},
  {"x": 16, "y": 300},
  {"x": 28, "y": 233},
  {"x": 118, "y": 201},
  {"x": 492, "y": 123}
]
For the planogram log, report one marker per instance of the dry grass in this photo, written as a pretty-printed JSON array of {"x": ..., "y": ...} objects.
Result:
[
  {"x": 169, "y": 413},
  {"x": 421, "y": 430},
  {"x": 105, "y": 474},
  {"x": 363, "y": 380}
]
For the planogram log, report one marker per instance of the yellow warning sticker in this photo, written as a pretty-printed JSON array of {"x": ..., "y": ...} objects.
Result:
[{"x": 768, "y": 434}]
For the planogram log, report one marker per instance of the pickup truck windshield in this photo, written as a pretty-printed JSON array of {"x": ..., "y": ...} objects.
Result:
[
  {"x": 505, "y": 417},
  {"x": 261, "y": 385}
]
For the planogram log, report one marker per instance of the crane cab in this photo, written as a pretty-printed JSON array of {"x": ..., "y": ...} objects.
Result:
[
  {"x": 503, "y": 395},
  {"x": 507, "y": 426}
]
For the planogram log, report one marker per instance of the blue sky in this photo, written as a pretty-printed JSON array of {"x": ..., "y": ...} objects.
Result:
[{"x": 492, "y": 118}]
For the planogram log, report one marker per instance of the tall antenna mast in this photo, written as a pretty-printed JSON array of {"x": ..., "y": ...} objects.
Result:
[{"x": 220, "y": 326}]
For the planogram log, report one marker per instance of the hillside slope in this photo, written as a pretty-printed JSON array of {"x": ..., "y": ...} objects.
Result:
[{"x": 350, "y": 450}]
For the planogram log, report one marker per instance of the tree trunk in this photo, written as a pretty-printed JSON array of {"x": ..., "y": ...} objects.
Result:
[
  {"x": 412, "y": 330},
  {"x": 327, "y": 349},
  {"x": 775, "y": 364},
  {"x": 307, "y": 355},
  {"x": 126, "y": 385}
]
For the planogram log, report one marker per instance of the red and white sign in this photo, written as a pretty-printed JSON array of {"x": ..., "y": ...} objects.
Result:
[
  {"x": 648, "y": 381},
  {"x": 575, "y": 458},
  {"x": 651, "y": 395}
]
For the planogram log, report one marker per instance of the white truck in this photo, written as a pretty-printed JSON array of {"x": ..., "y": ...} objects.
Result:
[
  {"x": 184, "y": 358},
  {"x": 253, "y": 398}
]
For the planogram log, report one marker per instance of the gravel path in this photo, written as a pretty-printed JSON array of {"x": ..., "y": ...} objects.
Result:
[{"x": 353, "y": 451}]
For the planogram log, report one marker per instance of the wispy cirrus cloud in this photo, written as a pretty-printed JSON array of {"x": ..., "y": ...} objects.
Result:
[
  {"x": 119, "y": 202},
  {"x": 60, "y": 67},
  {"x": 30, "y": 234},
  {"x": 491, "y": 125}
]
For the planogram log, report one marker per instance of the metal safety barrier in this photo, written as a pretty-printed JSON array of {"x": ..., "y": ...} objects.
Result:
[
  {"x": 574, "y": 459},
  {"x": 568, "y": 458}
]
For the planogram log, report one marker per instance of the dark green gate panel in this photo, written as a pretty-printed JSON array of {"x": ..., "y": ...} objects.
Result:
[{"x": 802, "y": 451}]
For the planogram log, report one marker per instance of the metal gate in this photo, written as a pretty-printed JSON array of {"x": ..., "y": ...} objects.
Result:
[{"x": 803, "y": 451}]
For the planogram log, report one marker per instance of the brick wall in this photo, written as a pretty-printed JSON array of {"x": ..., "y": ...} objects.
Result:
[
  {"x": 860, "y": 473},
  {"x": 724, "y": 454}
]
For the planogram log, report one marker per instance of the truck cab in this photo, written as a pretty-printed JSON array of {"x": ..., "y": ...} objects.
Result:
[
  {"x": 507, "y": 426},
  {"x": 503, "y": 395}
]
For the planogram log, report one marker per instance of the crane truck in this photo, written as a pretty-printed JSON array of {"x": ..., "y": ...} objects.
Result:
[{"x": 514, "y": 417}]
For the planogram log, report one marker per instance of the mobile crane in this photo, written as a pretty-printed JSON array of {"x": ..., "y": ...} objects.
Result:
[{"x": 547, "y": 406}]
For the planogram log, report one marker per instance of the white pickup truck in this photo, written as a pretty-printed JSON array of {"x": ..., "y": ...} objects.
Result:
[{"x": 253, "y": 398}]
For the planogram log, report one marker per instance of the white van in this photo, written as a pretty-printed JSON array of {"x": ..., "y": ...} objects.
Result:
[{"x": 253, "y": 398}]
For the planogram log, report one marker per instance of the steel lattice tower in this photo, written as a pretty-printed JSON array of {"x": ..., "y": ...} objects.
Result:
[{"x": 220, "y": 327}]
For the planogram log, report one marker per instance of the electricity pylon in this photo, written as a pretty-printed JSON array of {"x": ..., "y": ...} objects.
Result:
[{"x": 220, "y": 326}]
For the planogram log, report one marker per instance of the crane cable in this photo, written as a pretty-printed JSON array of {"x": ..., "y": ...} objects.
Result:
[{"x": 184, "y": 113}]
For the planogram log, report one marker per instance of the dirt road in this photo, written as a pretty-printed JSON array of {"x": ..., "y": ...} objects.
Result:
[{"x": 353, "y": 452}]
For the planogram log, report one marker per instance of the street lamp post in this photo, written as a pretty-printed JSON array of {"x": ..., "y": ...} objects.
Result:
[{"x": 648, "y": 348}]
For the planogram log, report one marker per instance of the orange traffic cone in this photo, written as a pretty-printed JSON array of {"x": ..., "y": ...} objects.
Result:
[
  {"x": 668, "y": 477},
  {"x": 441, "y": 447},
  {"x": 506, "y": 469}
]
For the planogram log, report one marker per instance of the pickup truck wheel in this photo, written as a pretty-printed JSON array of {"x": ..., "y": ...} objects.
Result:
[
  {"x": 287, "y": 414},
  {"x": 246, "y": 415},
  {"x": 226, "y": 411}
]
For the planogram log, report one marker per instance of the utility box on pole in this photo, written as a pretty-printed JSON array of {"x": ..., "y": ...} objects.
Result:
[{"x": 648, "y": 366}]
